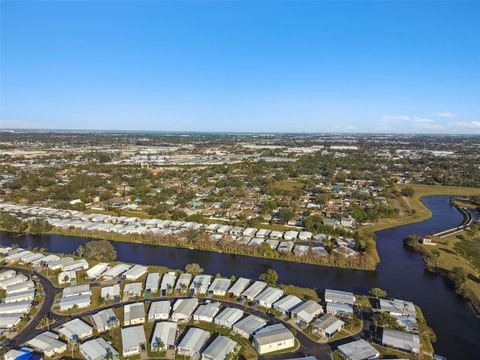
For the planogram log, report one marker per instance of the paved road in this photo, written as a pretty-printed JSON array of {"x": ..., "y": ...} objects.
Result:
[{"x": 50, "y": 291}]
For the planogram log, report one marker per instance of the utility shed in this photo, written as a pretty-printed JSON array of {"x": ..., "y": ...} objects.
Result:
[
  {"x": 358, "y": 350},
  {"x": 306, "y": 312},
  {"x": 193, "y": 342},
  {"x": 151, "y": 284},
  {"x": 133, "y": 314},
  {"x": 401, "y": 340},
  {"x": 98, "y": 349},
  {"x": 105, "y": 320},
  {"x": 48, "y": 343},
  {"x": 247, "y": 326},
  {"x": 133, "y": 338},
  {"x": 287, "y": 304},
  {"x": 273, "y": 338},
  {"x": 219, "y": 287},
  {"x": 135, "y": 272},
  {"x": 75, "y": 329},
  {"x": 219, "y": 349},
  {"x": 268, "y": 296},
  {"x": 183, "y": 309},
  {"x": 166, "y": 332},
  {"x": 253, "y": 290},
  {"x": 228, "y": 317},
  {"x": 183, "y": 282},
  {"x": 327, "y": 325},
  {"x": 336, "y": 296},
  {"x": 159, "y": 310},
  {"x": 206, "y": 312},
  {"x": 200, "y": 284},
  {"x": 168, "y": 283}
]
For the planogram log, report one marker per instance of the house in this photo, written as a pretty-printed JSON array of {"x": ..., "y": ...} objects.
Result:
[
  {"x": 21, "y": 287},
  {"x": 183, "y": 282},
  {"x": 285, "y": 246},
  {"x": 239, "y": 286},
  {"x": 358, "y": 350},
  {"x": 166, "y": 332},
  {"x": 135, "y": 272},
  {"x": 48, "y": 344},
  {"x": 305, "y": 236},
  {"x": 97, "y": 270},
  {"x": 23, "y": 353},
  {"x": 133, "y": 340},
  {"x": 401, "y": 340},
  {"x": 183, "y": 309},
  {"x": 290, "y": 235},
  {"x": 19, "y": 307},
  {"x": 273, "y": 338},
  {"x": 133, "y": 314},
  {"x": 345, "y": 310},
  {"x": 7, "y": 274},
  {"x": 206, "y": 312},
  {"x": 78, "y": 301},
  {"x": 67, "y": 277},
  {"x": 275, "y": 235},
  {"x": 8, "y": 321},
  {"x": 301, "y": 250},
  {"x": 287, "y": 304},
  {"x": 75, "y": 265},
  {"x": 133, "y": 290},
  {"x": 327, "y": 325},
  {"x": 219, "y": 348},
  {"x": 58, "y": 264},
  {"x": 75, "y": 330},
  {"x": 110, "y": 292},
  {"x": 115, "y": 271},
  {"x": 14, "y": 280},
  {"x": 104, "y": 320},
  {"x": 336, "y": 296},
  {"x": 151, "y": 284},
  {"x": 396, "y": 307},
  {"x": 27, "y": 295},
  {"x": 253, "y": 290},
  {"x": 193, "y": 342},
  {"x": 200, "y": 284},
  {"x": 268, "y": 296},
  {"x": 168, "y": 283},
  {"x": 97, "y": 349},
  {"x": 159, "y": 310},
  {"x": 248, "y": 326},
  {"x": 305, "y": 313},
  {"x": 219, "y": 287},
  {"x": 76, "y": 290},
  {"x": 228, "y": 317}
]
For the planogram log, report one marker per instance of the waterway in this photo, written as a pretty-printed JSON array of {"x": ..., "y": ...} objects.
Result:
[{"x": 400, "y": 272}]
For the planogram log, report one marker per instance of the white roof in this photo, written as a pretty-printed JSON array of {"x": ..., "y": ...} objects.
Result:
[
  {"x": 219, "y": 348},
  {"x": 166, "y": 331},
  {"x": 194, "y": 339},
  {"x": 132, "y": 337},
  {"x": 97, "y": 349},
  {"x": 358, "y": 350},
  {"x": 239, "y": 286},
  {"x": 75, "y": 327}
]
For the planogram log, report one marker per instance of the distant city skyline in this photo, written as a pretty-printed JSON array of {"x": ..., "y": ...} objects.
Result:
[{"x": 254, "y": 67}]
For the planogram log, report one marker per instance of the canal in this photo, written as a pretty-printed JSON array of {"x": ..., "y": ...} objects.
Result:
[{"x": 400, "y": 272}]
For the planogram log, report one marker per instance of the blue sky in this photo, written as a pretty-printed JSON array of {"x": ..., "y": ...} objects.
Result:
[{"x": 241, "y": 66}]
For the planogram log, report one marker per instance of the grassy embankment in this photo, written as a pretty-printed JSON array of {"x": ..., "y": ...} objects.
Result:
[{"x": 411, "y": 209}]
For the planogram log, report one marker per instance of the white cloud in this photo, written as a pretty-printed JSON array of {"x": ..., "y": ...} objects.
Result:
[
  {"x": 407, "y": 123},
  {"x": 446, "y": 114},
  {"x": 25, "y": 124},
  {"x": 465, "y": 124}
]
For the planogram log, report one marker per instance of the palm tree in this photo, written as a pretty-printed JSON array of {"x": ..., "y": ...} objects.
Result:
[
  {"x": 158, "y": 344},
  {"x": 111, "y": 322},
  {"x": 108, "y": 354},
  {"x": 74, "y": 341}
]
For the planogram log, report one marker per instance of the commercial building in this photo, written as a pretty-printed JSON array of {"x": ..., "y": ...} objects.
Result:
[{"x": 273, "y": 338}]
